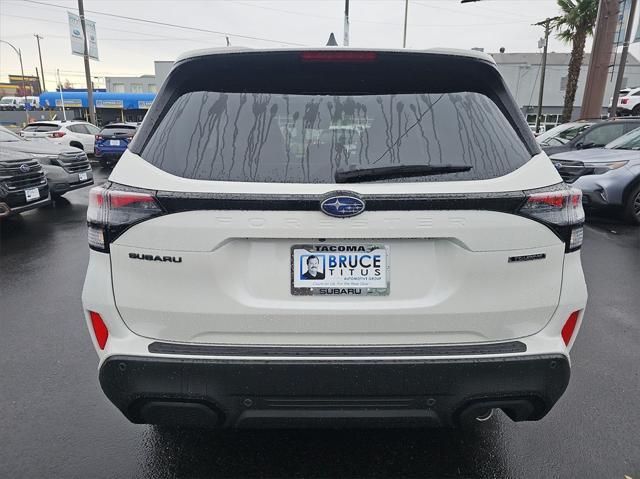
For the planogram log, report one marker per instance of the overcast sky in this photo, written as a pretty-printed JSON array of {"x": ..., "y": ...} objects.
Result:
[{"x": 129, "y": 47}]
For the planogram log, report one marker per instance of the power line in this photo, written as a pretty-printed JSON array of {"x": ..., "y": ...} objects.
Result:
[
  {"x": 462, "y": 12},
  {"x": 154, "y": 36},
  {"x": 172, "y": 25},
  {"x": 373, "y": 22}
]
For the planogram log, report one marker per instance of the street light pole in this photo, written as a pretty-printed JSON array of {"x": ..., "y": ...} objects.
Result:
[
  {"x": 87, "y": 69},
  {"x": 38, "y": 38},
  {"x": 24, "y": 88},
  {"x": 406, "y": 13},
  {"x": 613, "y": 110},
  {"x": 547, "y": 29},
  {"x": 345, "y": 40}
]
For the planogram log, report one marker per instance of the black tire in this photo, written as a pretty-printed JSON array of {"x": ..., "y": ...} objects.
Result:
[
  {"x": 636, "y": 111},
  {"x": 76, "y": 145},
  {"x": 632, "y": 207}
]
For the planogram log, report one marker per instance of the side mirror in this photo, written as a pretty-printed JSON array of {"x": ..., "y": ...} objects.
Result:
[
  {"x": 588, "y": 145},
  {"x": 579, "y": 146}
]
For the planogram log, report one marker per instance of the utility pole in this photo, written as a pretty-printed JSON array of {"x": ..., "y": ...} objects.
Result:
[
  {"x": 547, "y": 30},
  {"x": 38, "y": 38},
  {"x": 345, "y": 41},
  {"x": 600, "y": 61},
  {"x": 24, "y": 88},
  {"x": 613, "y": 110},
  {"x": 87, "y": 69},
  {"x": 406, "y": 13}
]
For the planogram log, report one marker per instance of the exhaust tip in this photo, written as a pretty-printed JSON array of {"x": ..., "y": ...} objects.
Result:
[{"x": 486, "y": 416}]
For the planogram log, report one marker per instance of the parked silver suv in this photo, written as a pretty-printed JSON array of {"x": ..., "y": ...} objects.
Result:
[{"x": 67, "y": 168}]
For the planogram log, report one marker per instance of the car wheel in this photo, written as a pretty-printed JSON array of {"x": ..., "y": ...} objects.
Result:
[
  {"x": 636, "y": 111},
  {"x": 76, "y": 145},
  {"x": 632, "y": 207}
]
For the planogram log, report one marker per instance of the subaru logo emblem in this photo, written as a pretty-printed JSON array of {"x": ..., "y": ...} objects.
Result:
[
  {"x": 558, "y": 165},
  {"x": 342, "y": 205},
  {"x": 25, "y": 168}
]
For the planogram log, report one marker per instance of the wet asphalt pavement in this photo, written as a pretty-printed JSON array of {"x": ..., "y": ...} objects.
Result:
[{"x": 55, "y": 421}]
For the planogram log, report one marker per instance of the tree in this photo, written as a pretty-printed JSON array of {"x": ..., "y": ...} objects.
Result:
[{"x": 574, "y": 25}]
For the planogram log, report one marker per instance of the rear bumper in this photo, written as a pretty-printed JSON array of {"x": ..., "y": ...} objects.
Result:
[
  {"x": 106, "y": 153},
  {"x": 6, "y": 210},
  {"x": 253, "y": 393}
]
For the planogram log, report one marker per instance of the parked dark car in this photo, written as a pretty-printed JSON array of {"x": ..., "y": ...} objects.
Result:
[
  {"x": 23, "y": 185},
  {"x": 582, "y": 135},
  {"x": 112, "y": 141},
  {"x": 609, "y": 177}
]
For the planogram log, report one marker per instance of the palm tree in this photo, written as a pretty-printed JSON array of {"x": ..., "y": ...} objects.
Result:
[{"x": 574, "y": 25}]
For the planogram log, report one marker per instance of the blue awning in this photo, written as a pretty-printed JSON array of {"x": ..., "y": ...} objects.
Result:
[{"x": 120, "y": 101}]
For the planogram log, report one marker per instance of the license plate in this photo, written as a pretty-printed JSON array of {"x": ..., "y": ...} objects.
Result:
[
  {"x": 82, "y": 176},
  {"x": 32, "y": 194},
  {"x": 340, "y": 269},
  {"x": 114, "y": 142}
]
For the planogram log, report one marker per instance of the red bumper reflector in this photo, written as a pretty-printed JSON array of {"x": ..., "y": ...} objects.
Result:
[
  {"x": 99, "y": 329},
  {"x": 569, "y": 327}
]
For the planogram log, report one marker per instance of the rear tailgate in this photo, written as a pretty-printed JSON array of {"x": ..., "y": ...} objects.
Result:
[
  {"x": 229, "y": 280},
  {"x": 241, "y": 178}
]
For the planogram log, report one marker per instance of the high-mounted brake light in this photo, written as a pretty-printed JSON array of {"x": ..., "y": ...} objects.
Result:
[
  {"x": 338, "y": 56},
  {"x": 113, "y": 211},
  {"x": 561, "y": 210}
]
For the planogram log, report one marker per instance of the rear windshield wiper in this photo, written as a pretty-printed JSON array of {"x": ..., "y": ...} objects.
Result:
[{"x": 398, "y": 171}]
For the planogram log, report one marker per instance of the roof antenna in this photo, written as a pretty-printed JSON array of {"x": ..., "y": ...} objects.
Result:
[
  {"x": 332, "y": 41},
  {"x": 228, "y": 42}
]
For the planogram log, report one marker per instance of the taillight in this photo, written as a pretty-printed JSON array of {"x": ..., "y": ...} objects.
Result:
[
  {"x": 561, "y": 210},
  {"x": 113, "y": 210},
  {"x": 338, "y": 56},
  {"x": 99, "y": 137},
  {"x": 56, "y": 134},
  {"x": 624, "y": 101}
]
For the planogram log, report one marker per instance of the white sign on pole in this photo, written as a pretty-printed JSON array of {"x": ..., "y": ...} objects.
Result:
[{"x": 77, "y": 38}]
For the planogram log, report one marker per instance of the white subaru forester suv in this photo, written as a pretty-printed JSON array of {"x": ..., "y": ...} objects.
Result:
[{"x": 333, "y": 237}]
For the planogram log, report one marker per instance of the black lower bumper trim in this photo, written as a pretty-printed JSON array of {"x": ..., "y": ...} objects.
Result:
[
  {"x": 14, "y": 210},
  {"x": 307, "y": 393},
  {"x": 332, "y": 351}
]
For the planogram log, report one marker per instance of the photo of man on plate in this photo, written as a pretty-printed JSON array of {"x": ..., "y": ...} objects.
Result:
[{"x": 313, "y": 268}]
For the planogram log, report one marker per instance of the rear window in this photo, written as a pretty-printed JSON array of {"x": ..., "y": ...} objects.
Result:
[
  {"x": 118, "y": 130},
  {"x": 306, "y": 138},
  {"x": 41, "y": 127},
  {"x": 562, "y": 134},
  {"x": 300, "y": 117}
]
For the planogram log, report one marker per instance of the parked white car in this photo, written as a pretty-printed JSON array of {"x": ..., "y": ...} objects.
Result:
[
  {"x": 79, "y": 134},
  {"x": 629, "y": 102},
  {"x": 378, "y": 239}
]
